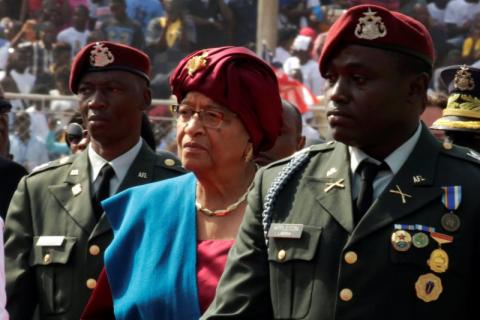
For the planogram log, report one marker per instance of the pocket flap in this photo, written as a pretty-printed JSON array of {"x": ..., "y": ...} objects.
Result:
[
  {"x": 304, "y": 248},
  {"x": 44, "y": 255}
]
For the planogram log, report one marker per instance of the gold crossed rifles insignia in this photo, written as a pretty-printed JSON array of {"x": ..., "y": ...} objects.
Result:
[
  {"x": 336, "y": 184},
  {"x": 398, "y": 191}
]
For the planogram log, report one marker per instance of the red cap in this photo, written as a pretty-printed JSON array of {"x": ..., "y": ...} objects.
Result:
[
  {"x": 309, "y": 32},
  {"x": 105, "y": 56},
  {"x": 378, "y": 27},
  {"x": 239, "y": 80}
]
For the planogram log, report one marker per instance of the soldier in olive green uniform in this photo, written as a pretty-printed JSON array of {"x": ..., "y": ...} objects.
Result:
[
  {"x": 56, "y": 232},
  {"x": 380, "y": 224}
]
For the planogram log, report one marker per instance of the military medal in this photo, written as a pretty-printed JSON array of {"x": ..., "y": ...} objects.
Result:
[
  {"x": 451, "y": 198},
  {"x": 401, "y": 240},
  {"x": 438, "y": 261},
  {"x": 428, "y": 287},
  {"x": 420, "y": 240}
]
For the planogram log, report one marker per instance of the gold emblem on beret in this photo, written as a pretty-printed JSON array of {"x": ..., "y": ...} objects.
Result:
[
  {"x": 100, "y": 56},
  {"x": 370, "y": 26},
  {"x": 463, "y": 79},
  {"x": 197, "y": 63}
]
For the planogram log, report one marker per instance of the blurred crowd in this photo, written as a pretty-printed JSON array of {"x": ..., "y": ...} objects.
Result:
[{"x": 39, "y": 38}]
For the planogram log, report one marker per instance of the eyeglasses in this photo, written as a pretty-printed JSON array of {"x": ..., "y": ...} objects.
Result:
[{"x": 210, "y": 118}]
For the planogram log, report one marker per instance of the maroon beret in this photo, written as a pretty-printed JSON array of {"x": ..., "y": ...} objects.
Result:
[
  {"x": 376, "y": 26},
  {"x": 105, "y": 56},
  {"x": 239, "y": 80}
]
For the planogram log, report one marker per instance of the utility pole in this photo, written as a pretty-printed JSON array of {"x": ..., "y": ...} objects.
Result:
[{"x": 267, "y": 28}]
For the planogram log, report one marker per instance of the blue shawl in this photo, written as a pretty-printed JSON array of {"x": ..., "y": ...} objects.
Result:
[{"x": 151, "y": 262}]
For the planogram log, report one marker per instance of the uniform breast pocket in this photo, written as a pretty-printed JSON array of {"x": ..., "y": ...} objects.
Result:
[
  {"x": 292, "y": 270},
  {"x": 54, "y": 274}
]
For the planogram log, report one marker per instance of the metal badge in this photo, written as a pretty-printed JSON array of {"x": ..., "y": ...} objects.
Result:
[
  {"x": 74, "y": 172},
  {"x": 398, "y": 191},
  {"x": 197, "y": 63},
  {"x": 420, "y": 240},
  {"x": 76, "y": 189},
  {"x": 401, "y": 240},
  {"x": 438, "y": 261},
  {"x": 285, "y": 230},
  {"x": 100, "y": 56},
  {"x": 337, "y": 184},
  {"x": 370, "y": 26},
  {"x": 463, "y": 79},
  {"x": 428, "y": 287},
  {"x": 450, "y": 222}
]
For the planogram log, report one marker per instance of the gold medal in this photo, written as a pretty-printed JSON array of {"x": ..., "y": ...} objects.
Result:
[
  {"x": 401, "y": 240},
  {"x": 438, "y": 261},
  {"x": 428, "y": 287}
]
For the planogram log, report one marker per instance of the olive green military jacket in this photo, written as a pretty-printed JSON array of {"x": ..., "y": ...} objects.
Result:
[
  {"x": 59, "y": 273},
  {"x": 336, "y": 270}
]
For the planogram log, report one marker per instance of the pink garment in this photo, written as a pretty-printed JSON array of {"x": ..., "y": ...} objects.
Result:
[{"x": 211, "y": 259}]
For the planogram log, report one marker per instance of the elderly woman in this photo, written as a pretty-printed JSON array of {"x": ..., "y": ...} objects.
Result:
[{"x": 171, "y": 239}]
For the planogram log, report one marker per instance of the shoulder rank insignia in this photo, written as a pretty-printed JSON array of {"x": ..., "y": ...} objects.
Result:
[{"x": 370, "y": 26}]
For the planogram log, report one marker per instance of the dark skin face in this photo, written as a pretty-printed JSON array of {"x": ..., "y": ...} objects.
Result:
[
  {"x": 111, "y": 104},
  {"x": 375, "y": 105},
  {"x": 288, "y": 142}
]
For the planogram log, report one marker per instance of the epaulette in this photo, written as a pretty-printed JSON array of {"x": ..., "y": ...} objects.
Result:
[
  {"x": 311, "y": 150},
  {"x": 52, "y": 165},
  {"x": 168, "y": 160},
  {"x": 463, "y": 153}
]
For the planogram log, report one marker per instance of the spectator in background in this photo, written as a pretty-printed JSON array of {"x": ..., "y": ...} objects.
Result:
[
  {"x": 171, "y": 37},
  {"x": 298, "y": 12},
  {"x": 438, "y": 32},
  {"x": 63, "y": 109},
  {"x": 436, "y": 9},
  {"x": 36, "y": 111},
  {"x": 143, "y": 11},
  {"x": 244, "y": 22},
  {"x": 301, "y": 49},
  {"x": 61, "y": 56},
  {"x": 458, "y": 18},
  {"x": 43, "y": 49},
  {"x": 471, "y": 45},
  {"x": 27, "y": 149},
  {"x": 99, "y": 12},
  {"x": 77, "y": 34},
  {"x": 10, "y": 30},
  {"x": 55, "y": 11},
  {"x": 290, "y": 139},
  {"x": 213, "y": 19},
  {"x": 19, "y": 78},
  {"x": 286, "y": 35},
  {"x": 120, "y": 28}
]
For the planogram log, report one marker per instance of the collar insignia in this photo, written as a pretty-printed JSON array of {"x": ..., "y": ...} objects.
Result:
[
  {"x": 331, "y": 171},
  {"x": 197, "y": 63},
  {"x": 100, "y": 56},
  {"x": 463, "y": 79},
  {"x": 370, "y": 26}
]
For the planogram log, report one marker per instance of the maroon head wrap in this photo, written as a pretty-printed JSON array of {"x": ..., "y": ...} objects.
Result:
[{"x": 237, "y": 79}]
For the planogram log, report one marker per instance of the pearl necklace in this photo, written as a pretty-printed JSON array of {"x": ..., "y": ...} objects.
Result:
[{"x": 222, "y": 212}]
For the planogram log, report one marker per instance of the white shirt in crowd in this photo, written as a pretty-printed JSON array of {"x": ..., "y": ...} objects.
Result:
[
  {"x": 75, "y": 38},
  {"x": 311, "y": 77},
  {"x": 30, "y": 154}
]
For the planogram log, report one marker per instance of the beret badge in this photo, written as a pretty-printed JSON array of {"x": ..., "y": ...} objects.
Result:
[
  {"x": 197, "y": 63},
  {"x": 370, "y": 26},
  {"x": 100, "y": 56},
  {"x": 463, "y": 79}
]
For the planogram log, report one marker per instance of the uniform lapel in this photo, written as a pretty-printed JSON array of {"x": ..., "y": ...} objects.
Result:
[
  {"x": 337, "y": 200},
  {"x": 140, "y": 172},
  {"x": 415, "y": 178},
  {"x": 74, "y": 193}
]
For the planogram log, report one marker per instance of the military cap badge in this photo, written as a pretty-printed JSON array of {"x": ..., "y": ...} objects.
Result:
[
  {"x": 370, "y": 26},
  {"x": 463, "y": 79},
  {"x": 100, "y": 56}
]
